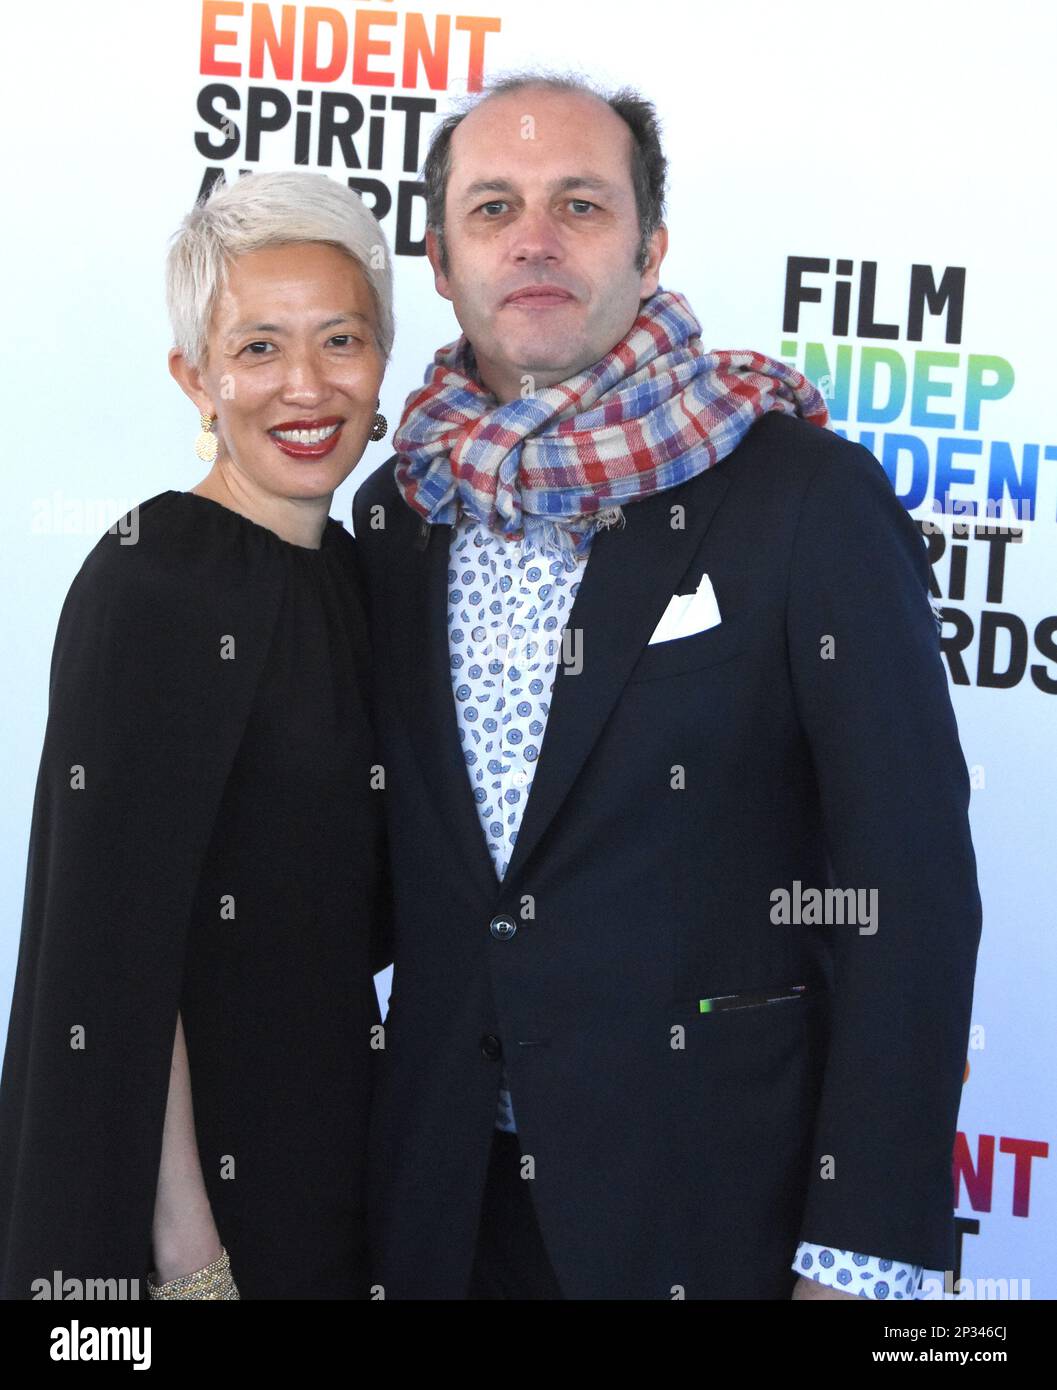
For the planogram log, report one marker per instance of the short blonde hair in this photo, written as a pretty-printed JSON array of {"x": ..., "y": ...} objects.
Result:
[{"x": 269, "y": 209}]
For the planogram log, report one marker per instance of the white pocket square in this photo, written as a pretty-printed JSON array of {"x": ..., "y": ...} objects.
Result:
[{"x": 687, "y": 614}]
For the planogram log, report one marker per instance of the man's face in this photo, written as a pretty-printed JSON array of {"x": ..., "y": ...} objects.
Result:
[{"x": 542, "y": 235}]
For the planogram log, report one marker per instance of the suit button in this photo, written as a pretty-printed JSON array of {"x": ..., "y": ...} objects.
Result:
[
  {"x": 491, "y": 1047},
  {"x": 502, "y": 928}
]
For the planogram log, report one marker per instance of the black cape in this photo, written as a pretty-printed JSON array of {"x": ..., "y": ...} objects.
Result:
[{"x": 204, "y": 839}]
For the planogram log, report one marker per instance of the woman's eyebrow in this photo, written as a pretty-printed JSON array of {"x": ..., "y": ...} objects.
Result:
[{"x": 278, "y": 328}]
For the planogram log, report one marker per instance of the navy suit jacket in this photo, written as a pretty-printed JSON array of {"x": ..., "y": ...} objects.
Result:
[{"x": 808, "y": 739}]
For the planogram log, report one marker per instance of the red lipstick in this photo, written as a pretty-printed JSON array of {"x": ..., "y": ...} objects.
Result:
[{"x": 304, "y": 448}]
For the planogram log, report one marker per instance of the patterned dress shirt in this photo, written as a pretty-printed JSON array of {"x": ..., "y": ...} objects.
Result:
[{"x": 507, "y": 608}]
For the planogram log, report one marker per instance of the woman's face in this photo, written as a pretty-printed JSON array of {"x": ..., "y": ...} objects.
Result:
[{"x": 292, "y": 368}]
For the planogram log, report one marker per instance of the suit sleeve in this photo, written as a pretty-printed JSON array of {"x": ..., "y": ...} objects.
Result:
[{"x": 872, "y": 697}]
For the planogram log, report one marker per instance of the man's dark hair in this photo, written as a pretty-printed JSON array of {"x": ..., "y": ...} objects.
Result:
[{"x": 648, "y": 164}]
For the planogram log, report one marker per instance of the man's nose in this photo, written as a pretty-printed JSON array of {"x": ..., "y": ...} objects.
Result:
[{"x": 536, "y": 237}]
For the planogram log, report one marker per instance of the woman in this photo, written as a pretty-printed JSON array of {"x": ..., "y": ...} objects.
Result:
[{"x": 186, "y": 1078}]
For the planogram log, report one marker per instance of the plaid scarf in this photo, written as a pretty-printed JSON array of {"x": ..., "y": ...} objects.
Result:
[{"x": 654, "y": 412}]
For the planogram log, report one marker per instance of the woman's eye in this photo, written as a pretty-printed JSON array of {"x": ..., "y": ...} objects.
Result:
[
  {"x": 345, "y": 339},
  {"x": 251, "y": 348}
]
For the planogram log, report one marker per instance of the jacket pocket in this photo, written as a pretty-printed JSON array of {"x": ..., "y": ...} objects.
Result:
[
  {"x": 751, "y": 999},
  {"x": 710, "y": 647}
]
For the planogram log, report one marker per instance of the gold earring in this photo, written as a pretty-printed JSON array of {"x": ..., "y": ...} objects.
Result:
[
  {"x": 207, "y": 445},
  {"x": 378, "y": 429}
]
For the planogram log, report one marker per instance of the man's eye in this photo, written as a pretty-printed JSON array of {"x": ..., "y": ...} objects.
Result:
[
  {"x": 251, "y": 348},
  {"x": 497, "y": 203},
  {"x": 579, "y": 203},
  {"x": 345, "y": 339}
]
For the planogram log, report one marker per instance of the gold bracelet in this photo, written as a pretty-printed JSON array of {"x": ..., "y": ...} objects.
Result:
[{"x": 212, "y": 1281}]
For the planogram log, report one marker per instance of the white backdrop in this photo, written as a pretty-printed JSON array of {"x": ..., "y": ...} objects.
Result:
[{"x": 908, "y": 134}]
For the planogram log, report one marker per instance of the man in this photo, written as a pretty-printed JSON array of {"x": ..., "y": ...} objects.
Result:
[{"x": 685, "y": 906}]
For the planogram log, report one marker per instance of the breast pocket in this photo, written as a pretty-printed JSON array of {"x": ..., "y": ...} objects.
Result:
[
  {"x": 750, "y": 999},
  {"x": 709, "y": 648},
  {"x": 723, "y": 1020}
]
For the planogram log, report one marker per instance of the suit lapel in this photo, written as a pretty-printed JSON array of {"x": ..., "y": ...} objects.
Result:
[
  {"x": 632, "y": 573},
  {"x": 418, "y": 576}
]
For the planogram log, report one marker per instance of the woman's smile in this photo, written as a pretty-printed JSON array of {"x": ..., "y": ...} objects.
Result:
[{"x": 307, "y": 439}]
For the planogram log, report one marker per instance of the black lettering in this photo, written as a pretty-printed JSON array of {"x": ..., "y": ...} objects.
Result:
[
  {"x": 990, "y": 625},
  {"x": 383, "y": 199},
  {"x": 331, "y": 128},
  {"x": 950, "y": 291},
  {"x": 414, "y": 108},
  {"x": 207, "y": 100},
  {"x": 258, "y": 123},
  {"x": 953, "y": 646},
  {"x": 867, "y": 296},
  {"x": 402, "y": 242},
  {"x": 997, "y": 540},
  {"x": 796, "y": 293},
  {"x": 1046, "y": 641}
]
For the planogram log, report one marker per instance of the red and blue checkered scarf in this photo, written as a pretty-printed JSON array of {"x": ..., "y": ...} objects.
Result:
[{"x": 656, "y": 410}]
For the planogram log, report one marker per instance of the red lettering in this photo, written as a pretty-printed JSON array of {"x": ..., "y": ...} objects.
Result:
[
  {"x": 1023, "y": 1150},
  {"x": 263, "y": 37},
  {"x": 979, "y": 1179},
  {"x": 212, "y": 11}
]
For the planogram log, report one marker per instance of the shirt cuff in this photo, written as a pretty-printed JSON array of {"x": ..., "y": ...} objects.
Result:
[{"x": 867, "y": 1276}]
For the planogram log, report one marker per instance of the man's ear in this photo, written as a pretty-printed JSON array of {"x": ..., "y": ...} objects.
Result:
[
  {"x": 440, "y": 280},
  {"x": 651, "y": 273},
  {"x": 190, "y": 382}
]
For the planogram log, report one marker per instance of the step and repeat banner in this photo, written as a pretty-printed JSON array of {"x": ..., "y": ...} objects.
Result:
[{"x": 864, "y": 192}]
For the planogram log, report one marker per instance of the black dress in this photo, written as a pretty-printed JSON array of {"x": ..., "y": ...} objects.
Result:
[{"x": 205, "y": 838}]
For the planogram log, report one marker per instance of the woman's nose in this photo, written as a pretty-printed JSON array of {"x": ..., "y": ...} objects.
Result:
[{"x": 305, "y": 375}]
